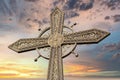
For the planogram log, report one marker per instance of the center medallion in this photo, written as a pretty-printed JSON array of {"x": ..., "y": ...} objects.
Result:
[{"x": 55, "y": 40}]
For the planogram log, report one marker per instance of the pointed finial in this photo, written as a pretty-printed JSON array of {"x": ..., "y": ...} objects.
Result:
[
  {"x": 57, "y": 10},
  {"x": 73, "y": 25}
]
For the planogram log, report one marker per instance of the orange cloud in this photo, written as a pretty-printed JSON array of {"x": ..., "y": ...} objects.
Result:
[
  {"x": 77, "y": 69},
  {"x": 14, "y": 70},
  {"x": 20, "y": 71},
  {"x": 8, "y": 75}
]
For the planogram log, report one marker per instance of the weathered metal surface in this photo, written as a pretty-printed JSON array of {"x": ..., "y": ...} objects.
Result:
[
  {"x": 86, "y": 37},
  {"x": 55, "y": 41},
  {"x": 23, "y": 45},
  {"x": 55, "y": 71}
]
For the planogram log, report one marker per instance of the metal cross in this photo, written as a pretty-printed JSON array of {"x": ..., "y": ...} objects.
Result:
[{"x": 55, "y": 41}]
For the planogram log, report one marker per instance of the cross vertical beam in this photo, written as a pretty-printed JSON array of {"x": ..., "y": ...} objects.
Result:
[{"x": 55, "y": 69}]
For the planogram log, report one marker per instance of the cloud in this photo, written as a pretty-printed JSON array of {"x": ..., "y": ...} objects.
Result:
[
  {"x": 110, "y": 3},
  {"x": 31, "y": 0},
  {"x": 8, "y": 75},
  {"x": 107, "y": 26},
  {"x": 14, "y": 70},
  {"x": 9, "y": 28},
  {"x": 102, "y": 57},
  {"x": 107, "y": 59},
  {"x": 110, "y": 47},
  {"x": 107, "y": 17},
  {"x": 72, "y": 8},
  {"x": 5, "y": 8},
  {"x": 116, "y": 57},
  {"x": 74, "y": 68},
  {"x": 86, "y": 6},
  {"x": 116, "y": 18},
  {"x": 96, "y": 75},
  {"x": 40, "y": 16},
  {"x": 13, "y": 13},
  {"x": 71, "y": 14},
  {"x": 79, "y": 4}
]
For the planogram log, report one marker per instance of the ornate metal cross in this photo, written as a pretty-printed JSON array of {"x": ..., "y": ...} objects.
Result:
[{"x": 56, "y": 40}]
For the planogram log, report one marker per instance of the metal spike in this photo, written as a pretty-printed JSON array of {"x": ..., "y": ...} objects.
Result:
[{"x": 73, "y": 25}]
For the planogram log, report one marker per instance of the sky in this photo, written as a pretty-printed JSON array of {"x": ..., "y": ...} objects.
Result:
[{"x": 22, "y": 19}]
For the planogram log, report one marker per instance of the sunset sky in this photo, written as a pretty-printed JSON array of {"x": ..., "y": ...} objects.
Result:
[{"x": 22, "y": 19}]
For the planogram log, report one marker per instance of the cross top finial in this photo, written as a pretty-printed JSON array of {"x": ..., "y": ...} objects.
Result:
[{"x": 57, "y": 10}]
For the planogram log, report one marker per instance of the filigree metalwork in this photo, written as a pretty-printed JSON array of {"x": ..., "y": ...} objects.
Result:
[
  {"x": 55, "y": 41},
  {"x": 88, "y": 36},
  {"x": 23, "y": 45},
  {"x": 66, "y": 49}
]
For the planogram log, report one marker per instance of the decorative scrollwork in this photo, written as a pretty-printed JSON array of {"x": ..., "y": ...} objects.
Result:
[
  {"x": 88, "y": 36},
  {"x": 55, "y": 70}
]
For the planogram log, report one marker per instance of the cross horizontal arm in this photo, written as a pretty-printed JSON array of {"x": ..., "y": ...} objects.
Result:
[
  {"x": 88, "y": 36},
  {"x": 24, "y": 45}
]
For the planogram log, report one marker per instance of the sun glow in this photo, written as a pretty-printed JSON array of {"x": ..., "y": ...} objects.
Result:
[{"x": 76, "y": 69}]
